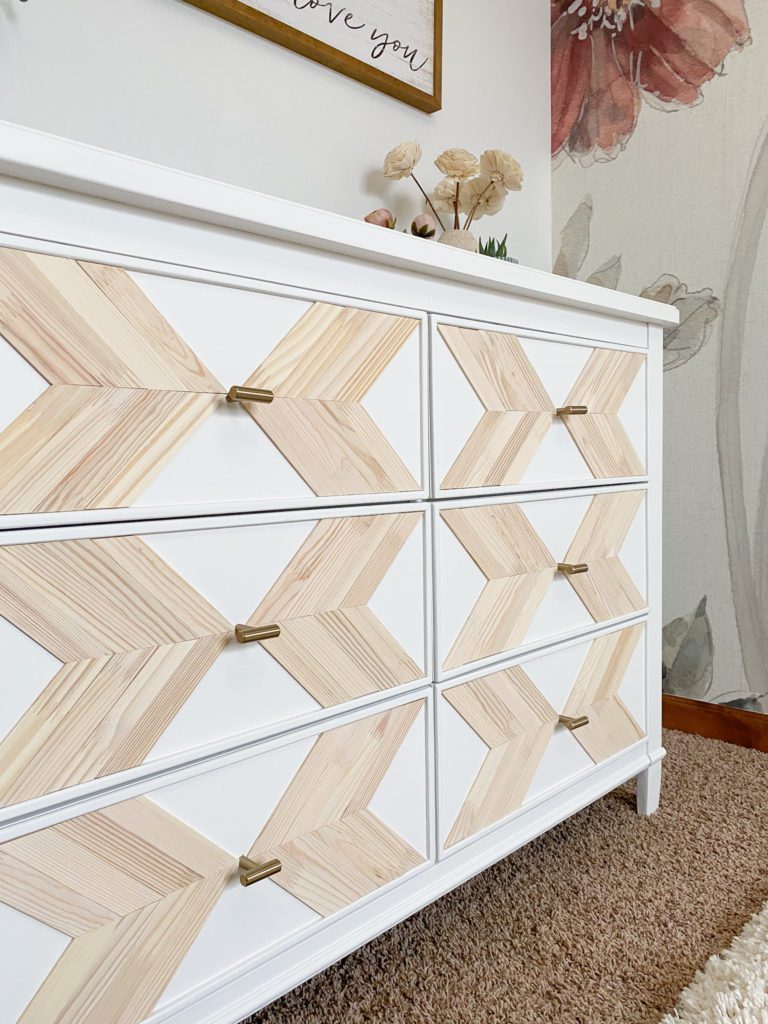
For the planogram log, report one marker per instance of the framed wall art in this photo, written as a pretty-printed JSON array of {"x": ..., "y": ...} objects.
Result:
[{"x": 392, "y": 45}]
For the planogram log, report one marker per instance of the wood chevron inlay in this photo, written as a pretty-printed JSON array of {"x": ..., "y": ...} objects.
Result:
[
  {"x": 600, "y": 437},
  {"x": 519, "y": 570},
  {"x": 126, "y": 391},
  {"x": 329, "y": 640},
  {"x": 132, "y": 886},
  {"x": 515, "y": 721},
  {"x": 134, "y": 640},
  {"x": 518, "y": 412},
  {"x": 333, "y": 849},
  {"x": 596, "y": 693},
  {"x": 513, "y": 718},
  {"x": 607, "y": 589}
]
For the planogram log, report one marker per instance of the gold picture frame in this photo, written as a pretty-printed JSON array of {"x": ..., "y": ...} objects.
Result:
[{"x": 246, "y": 16}]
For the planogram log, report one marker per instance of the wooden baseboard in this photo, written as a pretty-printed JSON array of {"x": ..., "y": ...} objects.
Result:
[{"x": 744, "y": 728}]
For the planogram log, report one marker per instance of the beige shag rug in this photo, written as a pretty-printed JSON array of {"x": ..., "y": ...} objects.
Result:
[
  {"x": 733, "y": 987},
  {"x": 603, "y": 920}
]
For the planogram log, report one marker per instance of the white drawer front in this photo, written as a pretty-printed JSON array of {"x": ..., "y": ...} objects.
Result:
[
  {"x": 499, "y": 400},
  {"x": 138, "y": 906},
  {"x": 501, "y": 744},
  {"x": 503, "y": 571},
  {"x": 115, "y": 383},
  {"x": 119, "y": 650}
]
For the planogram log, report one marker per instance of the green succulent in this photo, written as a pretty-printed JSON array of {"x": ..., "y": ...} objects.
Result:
[{"x": 494, "y": 248}]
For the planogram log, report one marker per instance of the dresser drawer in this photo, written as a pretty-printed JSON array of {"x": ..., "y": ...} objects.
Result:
[
  {"x": 134, "y": 907},
  {"x": 513, "y": 575},
  {"x": 121, "y": 649},
  {"x": 512, "y": 737},
  {"x": 514, "y": 410},
  {"x": 114, "y": 385}
]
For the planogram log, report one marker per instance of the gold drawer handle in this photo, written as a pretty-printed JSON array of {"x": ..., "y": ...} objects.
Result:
[
  {"x": 238, "y": 394},
  {"x": 572, "y": 569},
  {"x": 572, "y": 410},
  {"x": 252, "y": 871},
  {"x": 573, "y": 723},
  {"x": 247, "y": 634}
]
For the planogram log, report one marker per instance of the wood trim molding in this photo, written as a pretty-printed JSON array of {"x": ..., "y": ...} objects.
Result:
[
  {"x": 243, "y": 15},
  {"x": 716, "y": 722}
]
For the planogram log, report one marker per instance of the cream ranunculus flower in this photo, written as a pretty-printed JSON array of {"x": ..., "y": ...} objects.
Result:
[
  {"x": 489, "y": 195},
  {"x": 444, "y": 195},
  {"x": 459, "y": 164},
  {"x": 400, "y": 161},
  {"x": 503, "y": 168}
]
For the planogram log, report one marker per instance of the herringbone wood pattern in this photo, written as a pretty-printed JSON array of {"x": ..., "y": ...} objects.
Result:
[
  {"x": 135, "y": 639},
  {"x": 516, "y": 722},
  {"x": 519, "y": 412},
  {"x": 132, "y": 886},
  {"x": 519, "y": 569},
  {"x": 126, "y": 392}
]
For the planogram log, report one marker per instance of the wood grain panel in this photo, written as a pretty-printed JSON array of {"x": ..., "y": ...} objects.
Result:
[
  {"x": 518, "y": 569},
  {"x": 333, "y": 848},
  {"x": 499, "y": 450},
  {"x": 132, "y": 885},
  {"x": 135, "y": 639},
  {"x": 126, "y": 391},
  {"x": 607, "y": 590},
  {"x": 497, "y": 369},
  {"x": 101, "y": 716},
  {"x": 329, "y": 640},
  {"x": 83, "y": 599},
  {"x": 86, "y": 324},
  {"x": 515, "y": 721},
  {"x": 600, "y": 437},
  {"x": 596, "y": 694},
  {"x": 334, "y": 353},
  {"x": 335, "y": 447},
  {"x": 518, "y": 411},
  {"x": 81, "y": 448}
]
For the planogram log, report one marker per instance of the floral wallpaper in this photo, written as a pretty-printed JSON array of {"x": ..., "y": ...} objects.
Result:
[{"x": 660, "y": 187}]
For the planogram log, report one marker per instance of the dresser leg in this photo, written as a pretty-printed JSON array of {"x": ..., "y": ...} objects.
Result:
[{"x": 649, "y": 789}]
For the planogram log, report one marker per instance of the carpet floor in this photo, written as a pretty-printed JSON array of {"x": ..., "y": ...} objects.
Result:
[{"x": 603, "y": 920}]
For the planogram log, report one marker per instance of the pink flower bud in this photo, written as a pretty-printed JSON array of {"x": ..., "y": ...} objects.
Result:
[
  {"x": 382, "y": 218},
  {"x": 423, "y": 226}
]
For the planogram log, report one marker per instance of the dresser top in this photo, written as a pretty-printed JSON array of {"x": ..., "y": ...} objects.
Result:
[{"x": 50, "y": 160}]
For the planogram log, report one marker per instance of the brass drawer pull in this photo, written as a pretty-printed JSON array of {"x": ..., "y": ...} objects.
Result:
[
  {"x": 572, "y": 410},
  {"x": 573, "y": 723},
  {"x": 572, "y": 569},
  {"x": 238, "y": 394},
  {"x": 252, "y": 871},
  {"x": 247, "y": 634}
]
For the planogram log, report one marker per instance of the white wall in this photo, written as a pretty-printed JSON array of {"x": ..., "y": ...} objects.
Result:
[{"x": 162, "y": 80}]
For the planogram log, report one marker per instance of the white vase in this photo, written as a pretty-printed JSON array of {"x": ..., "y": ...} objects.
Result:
[{"x": 459, "y": 239}]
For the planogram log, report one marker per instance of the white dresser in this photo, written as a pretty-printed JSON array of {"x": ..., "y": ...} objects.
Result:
[{"x": 329, "y": 575}]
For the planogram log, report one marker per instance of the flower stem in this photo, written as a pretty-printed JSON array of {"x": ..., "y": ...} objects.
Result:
[
  {"x": 429, "y": 201},
  {"x": 456, "y": 224},
  {"x": 471, "y": 214}
]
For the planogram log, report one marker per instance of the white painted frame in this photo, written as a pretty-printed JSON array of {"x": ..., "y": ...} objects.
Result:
[
  {"x": 550, "y": 794},
  {"x": 133, "y": 779},
  {"x": 441, "y": 674},
  {"x": 520, "y": 332}
]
